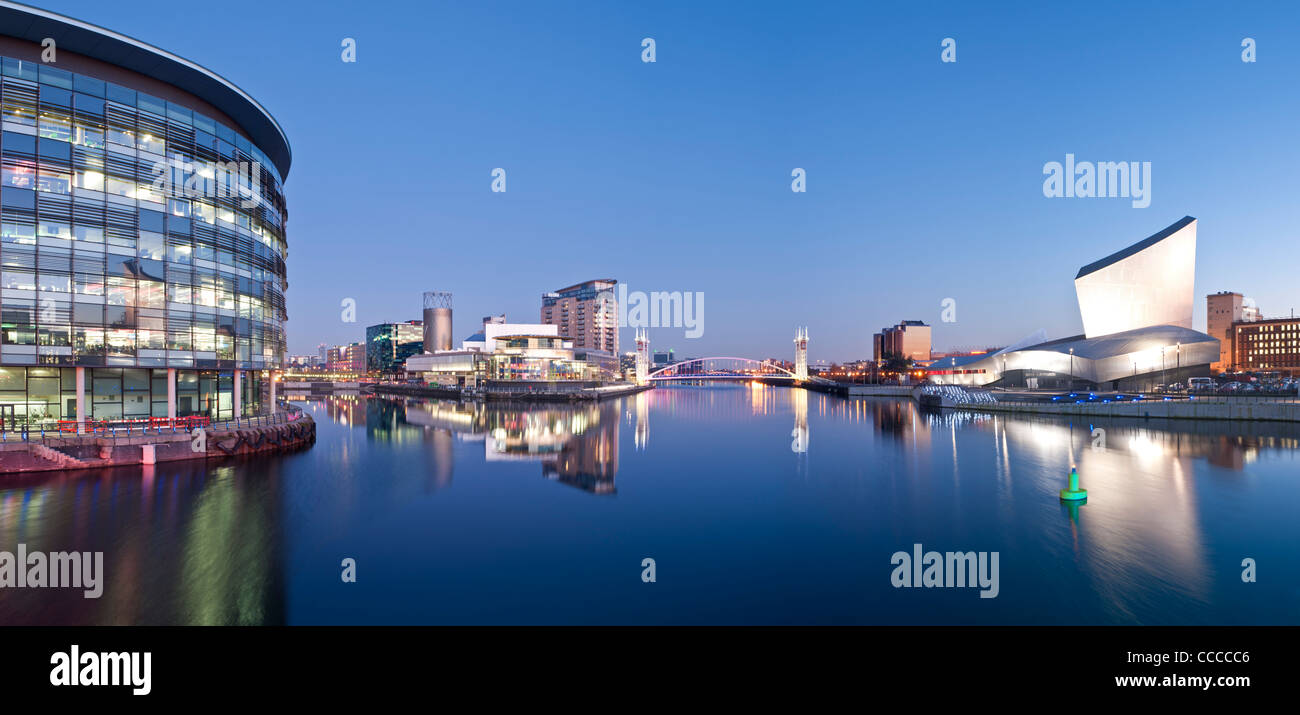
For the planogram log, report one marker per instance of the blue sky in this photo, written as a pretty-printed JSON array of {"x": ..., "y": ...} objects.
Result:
[{"x": 924, "y": 179}]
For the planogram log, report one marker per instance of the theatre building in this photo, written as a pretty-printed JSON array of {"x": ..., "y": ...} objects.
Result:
[{"x": 142, "y": 230}]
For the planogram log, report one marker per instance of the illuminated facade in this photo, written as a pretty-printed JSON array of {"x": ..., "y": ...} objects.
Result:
[
  {"x": 1148, "y": 283},
  {"x": 908, "y": 339},
  {"x": 586, "y": 312},
  {"x": 388, "y": 345},
  {"x": 1122, "y": 349},
  {"x": 1267, "y": 345},
  {"x": 347, "y": 358},
  {"x": 545, "y": 357},
  {"x": 142, "y": 230}
]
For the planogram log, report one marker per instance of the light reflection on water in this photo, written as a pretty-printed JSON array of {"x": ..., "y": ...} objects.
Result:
[{"x": 759, "y": 504}]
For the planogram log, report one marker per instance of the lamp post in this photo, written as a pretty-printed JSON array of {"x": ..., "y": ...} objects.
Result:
[
  {"x": 1179, "y": 352},
  {"x": 1071, "y": 368}
]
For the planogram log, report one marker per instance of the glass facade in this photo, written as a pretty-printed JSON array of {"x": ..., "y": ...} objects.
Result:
[
  {"x": 134, "y": 232},
  {"x": 389, "y": 344},
  {"x": 136, "y": 235},
  {"x": 44, "y": 396}
]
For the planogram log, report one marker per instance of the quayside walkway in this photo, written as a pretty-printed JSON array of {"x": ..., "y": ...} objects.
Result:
[{"x": 149, "y": 443}]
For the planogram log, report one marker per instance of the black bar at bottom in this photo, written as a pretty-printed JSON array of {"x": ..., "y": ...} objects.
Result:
[{"x": 208, "y": 666}]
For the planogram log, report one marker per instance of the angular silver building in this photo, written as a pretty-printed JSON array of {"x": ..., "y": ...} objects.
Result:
[
  {"x": 1148, "y": 283},
  {"x": 1136, "y": 306}
]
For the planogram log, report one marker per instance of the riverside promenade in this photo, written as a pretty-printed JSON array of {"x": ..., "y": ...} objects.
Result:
[
  {"x": 1241, "y": 408},
  {"x": 121, "y": 446},
  {"x": 1246, "y": 409}
]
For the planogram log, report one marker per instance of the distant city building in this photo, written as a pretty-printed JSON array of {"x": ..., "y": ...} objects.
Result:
[
  {"x": 909, "y": 339},
  {"x": 389, "y": 344},
  {"x": 1267, "y": 345},
  {"x": 1222, "y": 310},
  {"x": 662, "y": 358},
  {"x": 586, "y": 312},
  {"x": 347, "y": 358}
]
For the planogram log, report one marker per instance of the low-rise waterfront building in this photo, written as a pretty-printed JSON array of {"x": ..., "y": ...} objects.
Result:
[
  {"x": 512, "y": 352},
  {"x": 1267, "y": 345}
]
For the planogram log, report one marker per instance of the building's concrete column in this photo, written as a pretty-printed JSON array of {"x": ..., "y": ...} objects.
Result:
[
  {"x": 271, "y": 411},
  {"x": 237, "y": 398},
  {"x": 81, "y": 400},
  {"x": 171, "y": 393}
]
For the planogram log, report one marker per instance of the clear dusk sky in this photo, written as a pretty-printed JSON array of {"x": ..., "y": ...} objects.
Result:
[{"x": 924, "y": 179}]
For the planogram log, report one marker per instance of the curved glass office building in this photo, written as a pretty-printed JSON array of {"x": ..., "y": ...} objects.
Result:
[{"x": 142, "y": 230}]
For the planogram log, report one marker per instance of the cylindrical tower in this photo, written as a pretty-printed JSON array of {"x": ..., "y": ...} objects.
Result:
[{"x": 437, "y": 321}]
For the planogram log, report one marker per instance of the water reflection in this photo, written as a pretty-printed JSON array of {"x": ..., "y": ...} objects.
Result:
[
  {"x": 440, "y": 502},
  {"x": 577, "y": 446},
  {"x": 182, "y": 544}
]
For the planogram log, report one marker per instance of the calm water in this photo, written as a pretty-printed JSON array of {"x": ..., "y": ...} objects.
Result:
[{"x": 758, "y": 504}]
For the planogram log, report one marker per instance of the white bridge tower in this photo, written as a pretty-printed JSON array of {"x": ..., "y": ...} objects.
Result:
[
  {"x": 642, "y": 355},
  {"x": 801, "y": 353}
]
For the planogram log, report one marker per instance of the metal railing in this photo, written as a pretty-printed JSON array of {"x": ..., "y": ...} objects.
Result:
[{"x": 65, "y": 431}]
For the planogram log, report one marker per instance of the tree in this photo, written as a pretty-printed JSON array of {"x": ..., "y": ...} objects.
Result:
[{"x": 897, "y": 363}]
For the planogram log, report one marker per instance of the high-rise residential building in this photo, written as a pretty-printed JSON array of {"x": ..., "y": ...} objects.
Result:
[
  {"x": 1222, "y": 310},
  {"x": 1271, "y": 345},
  {"x": 143, "y": 230},
  {"x": 586, "y": 312},
  {"x": 389, "y": 344},
  {"x": 909, "y": 339}
]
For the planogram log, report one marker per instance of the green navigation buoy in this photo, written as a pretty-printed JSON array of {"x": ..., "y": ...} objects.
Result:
[{"x": 1073, "y": 492}]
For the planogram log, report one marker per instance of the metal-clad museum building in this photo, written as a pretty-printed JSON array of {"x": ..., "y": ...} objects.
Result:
[
  {"x": 142, "y": 230},
  {"x": 1136, "y": 306}
]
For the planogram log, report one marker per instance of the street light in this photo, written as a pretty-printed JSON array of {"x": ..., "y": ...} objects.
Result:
[{"x": 1071, "y": 368}]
